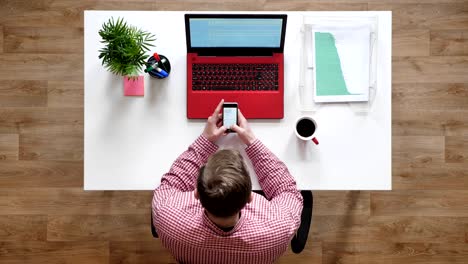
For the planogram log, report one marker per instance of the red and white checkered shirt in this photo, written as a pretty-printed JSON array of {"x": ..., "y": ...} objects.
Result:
[{"x": 266, "y": 225}]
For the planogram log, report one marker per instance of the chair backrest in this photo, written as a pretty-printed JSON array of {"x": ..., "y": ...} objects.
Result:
[
  {"x": 300, "y": 239},
  {"x": 153, "y": 230}
]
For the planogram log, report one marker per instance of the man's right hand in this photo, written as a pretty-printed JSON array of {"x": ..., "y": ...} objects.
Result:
[
  {"x": 213, "y": 128},
  {"x": 243, "y": 130}
]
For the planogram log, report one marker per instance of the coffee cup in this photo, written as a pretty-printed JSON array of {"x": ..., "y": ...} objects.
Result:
[{"x": 305, "y": 129}]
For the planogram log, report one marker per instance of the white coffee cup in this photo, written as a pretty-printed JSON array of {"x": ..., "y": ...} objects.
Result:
[{"x": 305, "y": 129}]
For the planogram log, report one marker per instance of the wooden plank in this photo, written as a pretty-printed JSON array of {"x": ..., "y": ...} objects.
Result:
[
  {"x": 339, "y": 228},
  {"x": 45, "y": 18},
  {"x": 41, "y": 120},
  {"x": 409, "y": 229},
  {"x": 417, "y": 151},
  {"x": 466, "y": 233},
  {"x": 23, "y": 227},
  {"x": 9, "y": 146},
  {"x": 23, "y": 93},
  {"x": 393, "y": 228},
  {"x": 39, "y": 252},
  {"x": 53, "y": 40},
  {"x": 304, "y": 5},
  {"x": 430, "y": 96},
  {"x": 311, "y": 254},
  {"x": 410, "y": 42},
  {"x": 108, "y": 5},
  {"x": 134, "y": 252},
  {"x": 26, "y": 174},
  {"x": 449, "y": 176},
  {"x": 384, "y": 252},
  {"x": 11, "y": 6},
  {"x": 67, "y": 68},
  {"x": 420, "y": 203},
  {"x": 38, "y": 14},
  {"x": 425, "y": 122},
  {"x": 1, "y": 39},
  {"x": 341, "y": 202},
  {"x": 443, "y": 69},
  {"x": 134, "y": 227},
  {"x": 63, "y": 201},
  {"x": 179, "y": 5},
  {"x": 456, "y": 149},
  {"x": 65, "y": 94},
  {"x": 23, "y": 120},
  {"x": 41, "y": 67},
  {"x": 49, "y": 14},
  {"x": 438, "y": 16},
  {"x": 449, "y": 43},
  {"x": 65, "y": 121},
  {"x": 67, "y": 147},
  {"x": 165, "y": 4},
  {"x": 23, "y": 67},
  {"x": 214, "y": 5},
  {"x": 418, "y": 1}
]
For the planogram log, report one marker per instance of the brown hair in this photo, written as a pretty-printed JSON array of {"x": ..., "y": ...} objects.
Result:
[{"x": 224, "y": 184}]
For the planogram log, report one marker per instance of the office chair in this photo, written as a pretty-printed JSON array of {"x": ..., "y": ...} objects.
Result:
[
  {"x": 300, "y": 239},
  {"x": 153, "y": 230}
]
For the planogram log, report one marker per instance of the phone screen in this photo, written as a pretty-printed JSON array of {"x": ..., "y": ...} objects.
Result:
[{"x": 229, "y": 115}]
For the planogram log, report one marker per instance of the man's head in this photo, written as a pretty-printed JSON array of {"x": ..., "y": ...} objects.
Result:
[{"x": 223, "y": 184}]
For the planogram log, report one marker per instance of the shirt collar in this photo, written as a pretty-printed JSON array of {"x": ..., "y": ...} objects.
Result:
[{"x": 207, "y": 222}]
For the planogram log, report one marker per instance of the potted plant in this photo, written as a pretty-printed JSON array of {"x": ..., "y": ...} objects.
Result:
[{"x": 124, "y": 53}]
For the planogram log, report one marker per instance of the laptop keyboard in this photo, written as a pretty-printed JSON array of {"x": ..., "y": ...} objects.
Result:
[{"x": 234, "y": 77}]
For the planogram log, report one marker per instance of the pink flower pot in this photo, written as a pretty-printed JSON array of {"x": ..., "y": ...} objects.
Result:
[{"x": 134, "y": 86}]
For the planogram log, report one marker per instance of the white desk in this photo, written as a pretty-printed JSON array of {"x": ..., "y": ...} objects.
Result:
[{"x": 130, "y": 142}]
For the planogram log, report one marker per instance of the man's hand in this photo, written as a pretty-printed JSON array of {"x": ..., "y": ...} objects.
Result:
[
  {"x": 213, "y": 128},
  {"x": 243, "y": 130}
]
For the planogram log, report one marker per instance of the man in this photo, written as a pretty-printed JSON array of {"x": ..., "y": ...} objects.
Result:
[{"x": 204, "y": 210}]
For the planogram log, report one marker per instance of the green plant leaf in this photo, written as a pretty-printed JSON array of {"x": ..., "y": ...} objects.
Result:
[{"x": 125, "y": 47}]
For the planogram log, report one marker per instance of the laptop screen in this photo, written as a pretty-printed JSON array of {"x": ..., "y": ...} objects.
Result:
[{"x": 235, "y": 32}]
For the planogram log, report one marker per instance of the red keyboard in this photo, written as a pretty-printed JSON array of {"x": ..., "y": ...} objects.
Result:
[{"x": 234, "y": 77}]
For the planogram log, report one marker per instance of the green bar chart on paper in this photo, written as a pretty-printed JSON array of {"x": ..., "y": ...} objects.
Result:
[
  {"x": 341, "y": 64},
  {"x": 330, "y": 80}
]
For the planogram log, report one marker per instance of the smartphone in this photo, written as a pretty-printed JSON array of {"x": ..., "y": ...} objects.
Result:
[{"x": 229, "y": 115}]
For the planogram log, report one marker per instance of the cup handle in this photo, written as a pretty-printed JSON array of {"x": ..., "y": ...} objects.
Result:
[{"x": 315, "y": 141}]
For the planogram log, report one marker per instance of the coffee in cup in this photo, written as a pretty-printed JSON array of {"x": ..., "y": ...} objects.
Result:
[{"x": 305, "y": 129}]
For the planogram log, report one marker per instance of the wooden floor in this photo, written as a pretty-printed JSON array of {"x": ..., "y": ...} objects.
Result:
[{"x": 46, "y": 217}]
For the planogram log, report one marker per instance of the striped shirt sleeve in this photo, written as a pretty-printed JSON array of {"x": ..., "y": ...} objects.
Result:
[{"x": 277, "y": 183}]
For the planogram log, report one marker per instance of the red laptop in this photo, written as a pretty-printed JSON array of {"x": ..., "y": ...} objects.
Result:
[{"x": 238, "y": 58}]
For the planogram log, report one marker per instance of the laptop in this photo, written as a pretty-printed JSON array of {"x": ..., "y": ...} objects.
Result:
[{"x": 238, "y": 58}]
